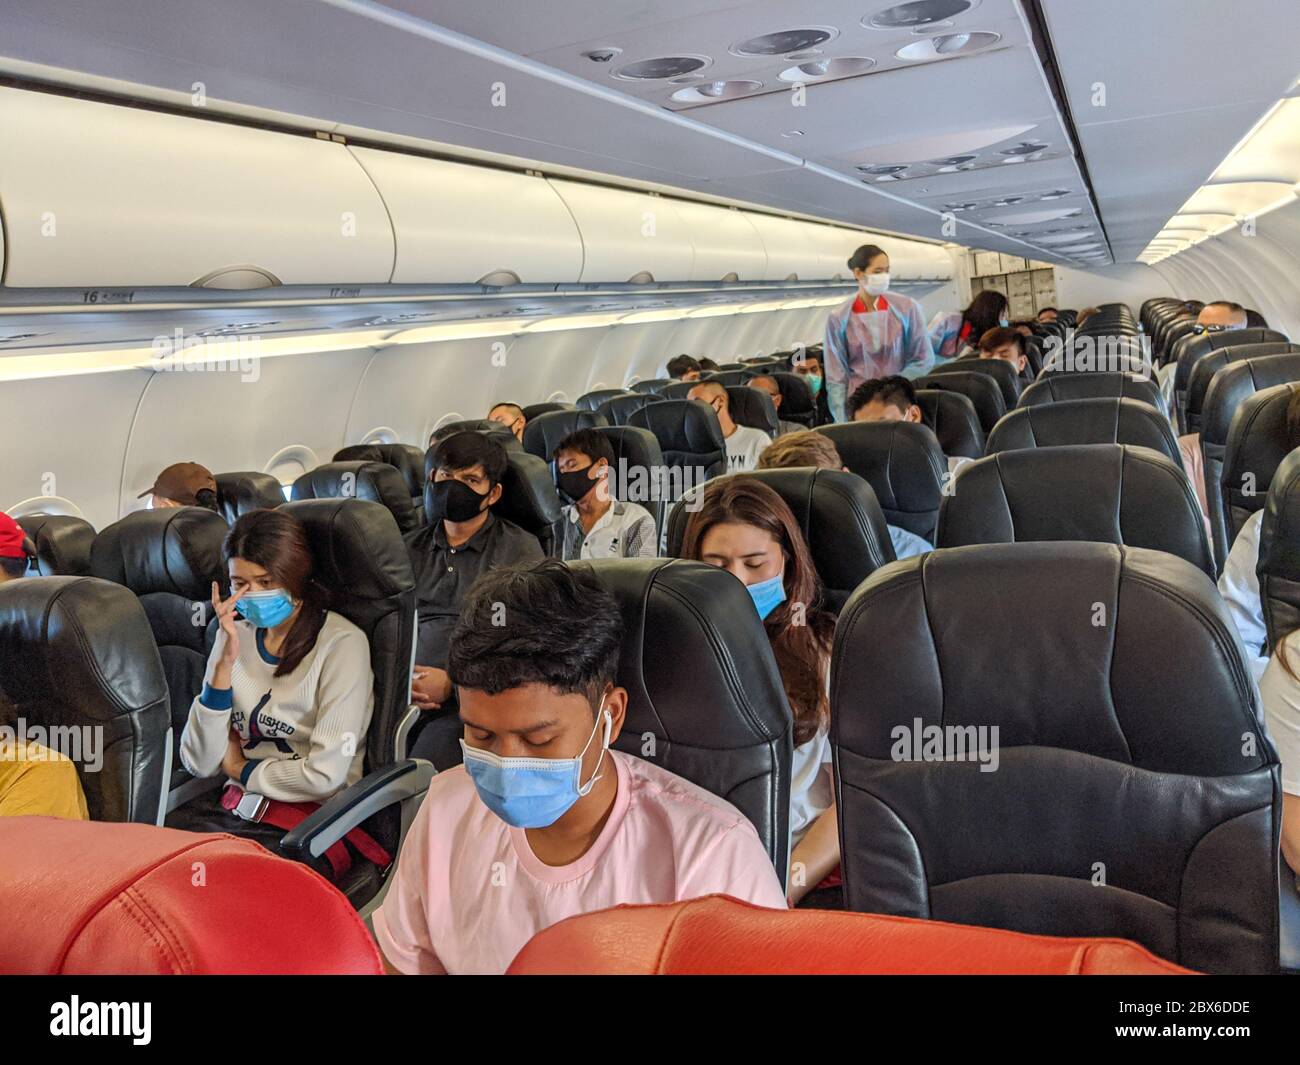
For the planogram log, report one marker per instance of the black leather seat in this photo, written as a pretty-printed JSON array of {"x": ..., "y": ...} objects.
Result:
[
  {"x": 1106, "y": 493},
  {"x": 495, "y": 430},
  {"x": 1085, "y": 421},
  {"x": 638, "y": 467},
  {"x": 752, "y": 407},
  {"x": 593, "y": 400},
  {"x": 798, "y": 404},
  {"x": 534, "y": 409},
  {"x": 705, "y": 698},
  {"x": 983, "y": 392},
  {"x": 677, "y": 389},
  {"x": 1255, "y": 443},
  {"x": 62, "y": 543},
  {"x": 652, "y": 384},
  {"x": 169, "y": 559},
  {"x": 618, "y": 409},
  {"x": 378, "y": 482},
  {"x": 840, "y": 519},
  {"x": 542, "y": 434},
  {"x": 1055, "y": 388},
  {"x": 76, "y": 652},
  {"x": 954, "y": 421},
  {"x": 690, "y": 439},
  {"x": 1194, "y": 347},
  {"x": 238, "y": 493},
  {"x": 407, "y": 459},
  {"x": 528, "y": 498},
  {"x": 1124, "y": 801},
  {"x": 730, "y": 378},
  {"x": 1006, "y": 375},
  {"x": 1198, "y": 385},
  {"x": 904, "y": 466}
]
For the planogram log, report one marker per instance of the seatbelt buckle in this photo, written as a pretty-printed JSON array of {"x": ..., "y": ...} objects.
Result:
[{"x": 250, "y": 806}]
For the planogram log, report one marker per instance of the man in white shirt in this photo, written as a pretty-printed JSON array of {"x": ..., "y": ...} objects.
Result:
[
  {"x": 1239, "y": 587},
  {"x": 893, "y": 399},
  {"x": 744, "y": 443},
  {"x": 598, "y": 525}
]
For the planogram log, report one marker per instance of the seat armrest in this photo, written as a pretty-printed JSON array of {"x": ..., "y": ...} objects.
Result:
[
  {"x": 376, "y": 791},
  {"x": 192, "y": 789}
]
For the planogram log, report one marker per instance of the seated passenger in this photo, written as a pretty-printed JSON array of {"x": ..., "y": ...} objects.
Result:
[
  {"x": 1239, "y": 583},
  {"x": 809, "y": 448},
  {"x": 1279, "y": 690},
  {"x": 954, "y": 335},
  {"x": 36, "y": 781},
  {"x": 183, "y": 484},
  {"x": 545, "y": 820},
  {"x": 744, "y": 527},
  {"x": 808, "y": 365},
  {"x": 684, "y": 368},
  {"x": 288, "y": 692},
  {"x": 768, "y": 384},
  {"x": 744, "y": 443},
  {"x": 464, "y": 540},
  {"x": 598, "y": 525},
  {"x": 16, "y": 549},
  {"x": 1047, "y": 314},
  {"x": 1006, "y": 345},
  {"x": 709, "y": 366},
  {"x": 893, "y": 399},
  {"x": 511, "y": 415},
  {"x": 1220, "y": 316}
]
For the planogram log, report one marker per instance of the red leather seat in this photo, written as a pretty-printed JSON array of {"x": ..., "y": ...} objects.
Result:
[
  {"x": 721, "y": 935},
  {"x": 88, "y": 897}
]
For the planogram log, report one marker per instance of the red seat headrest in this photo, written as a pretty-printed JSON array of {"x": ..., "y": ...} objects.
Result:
[
  {"x": 87, "y": 897},
  {"x": 721, "y": 935}
]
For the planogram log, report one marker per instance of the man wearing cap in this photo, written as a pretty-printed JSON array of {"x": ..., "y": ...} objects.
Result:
[
  {"x": 15, "y": 549},
  {"x": 183, "y": 484}
]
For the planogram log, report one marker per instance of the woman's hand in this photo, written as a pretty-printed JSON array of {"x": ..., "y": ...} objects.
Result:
[
  {"x": 225, "y": 611},
  {"x": 233, "y": 762}
]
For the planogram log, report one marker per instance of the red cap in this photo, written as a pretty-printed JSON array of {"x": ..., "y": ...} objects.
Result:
[{"x": 11, "y": 538}]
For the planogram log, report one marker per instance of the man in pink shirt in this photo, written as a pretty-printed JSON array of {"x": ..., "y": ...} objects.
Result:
[{"x": 544, "y": 821}]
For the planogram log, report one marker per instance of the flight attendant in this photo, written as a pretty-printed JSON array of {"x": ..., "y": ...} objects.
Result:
[{"x": 876, "y": 334}]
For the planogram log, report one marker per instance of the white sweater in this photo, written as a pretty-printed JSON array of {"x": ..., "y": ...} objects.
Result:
[{"x": 304, "y": 733}]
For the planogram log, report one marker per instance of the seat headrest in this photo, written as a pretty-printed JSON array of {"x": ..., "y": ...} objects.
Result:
[
  {"x": 797, "y": 397},
  {"x": 1235, "y": 383},
  {"x": 719, "y": 935},
  {"x": 1084, "y": 421},
  {"x": 652, "y": 384},
  {"x": 1193, "y": 347},
  {"x": 1106, "y": 493},
  {"x": 528, "y": 496},
  {"x": 1098, "y": 353},
  {"x": 406, "y": 458},
  {"x": 838, "y": 514},
  {"x": 238, "y": 493},
  {"x": 1006, "y": 375},
  {"x": 495, "y": 430},
  {"x": 677, "y": 389},
  {"x": 1203, "y": 371},
  {"x": 752, "y": 407},
  {"x": 952, "y": 418},
  {"x": 1257, "y": 443},
  {"x": 903, "y": 464},
  {"x": 975, "y": 640},
  {"x": 542, "y": 434},
  {"x": 688, "y": 433},
  {"x": 101, "y": 878},
  {"x": 62, "y": 543},
  {"x": 534, "y": 409},
  {"x": 983, "y": 392},
  {"x": 618, "y": 409},
  {"x": 378, "y": 482},
  {"x": 1059, "y": 387},
  {"x": 79, "y": 642},
  {"x": 176, "y": 550},
  {"x": 1279, "y": 553},
  {"x": 593, "y": 400},
  {"x": 633, "y": 446},
  {"x": 356, "y": 547}
]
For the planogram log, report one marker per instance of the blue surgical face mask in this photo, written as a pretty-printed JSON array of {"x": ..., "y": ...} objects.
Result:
[
  {"x": 815, "y": 382},
  {"x": 266, "y": 610},
  {"x": 767, "y": 595},
  {"x": 533, "y": 792},
  {"x": 1004, "y": 321}
]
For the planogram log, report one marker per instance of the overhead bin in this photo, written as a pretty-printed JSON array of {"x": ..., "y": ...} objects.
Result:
[
  {"x": 727, "y": 246},
  {"x": 912, "y": 261},
  {"x": 626, "y": 235},
  {"x": 791, "y": 249},
  {"x": 458, "y": 223},
  {"x": 94, "y": 194}
]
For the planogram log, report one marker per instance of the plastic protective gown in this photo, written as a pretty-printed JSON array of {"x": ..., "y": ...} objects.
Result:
[{"x": 864, "y": 341}]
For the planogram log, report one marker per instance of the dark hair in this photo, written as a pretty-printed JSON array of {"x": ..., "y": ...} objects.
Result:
[
  {"x": 798, "y": 358},
  {"x": 548, "y": 624},
  {"x": 799, "y": 631},
  {"x": 207, "y": 499},
  {"x": 13, "y": 567},
  {"x": 277, "y": 542},
  {"x": 470, "y": 448},
  {"x": 1046, "y": 309},
  {"x": 515, "y": 409},
  {"x": 996, "y": 337},
  {"x": 862, "y": 258},
  {"x": 709, "y": 364},
  {"x": 984, "y": 312},
  {"x": 590, "y": 442},
  {"x": 896, "y": 390},
  {"x": 680, "y": 365}
]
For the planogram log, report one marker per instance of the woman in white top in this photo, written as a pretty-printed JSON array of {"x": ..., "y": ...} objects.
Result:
[
  {"x": 288, "y": 692},
  {"x": 1279, "y": 689},
  {"x": 744, "y": 527}
]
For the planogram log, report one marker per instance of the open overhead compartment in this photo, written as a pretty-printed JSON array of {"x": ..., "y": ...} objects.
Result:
[
  {"x": 95, "y": 194},
  {"x": 457, "y": 223},
  {"x": 727, "y": 246},
  {"x": 626, "y": 235}
]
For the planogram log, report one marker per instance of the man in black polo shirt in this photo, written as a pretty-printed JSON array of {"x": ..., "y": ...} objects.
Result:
[{"x": 464, "y": 540}]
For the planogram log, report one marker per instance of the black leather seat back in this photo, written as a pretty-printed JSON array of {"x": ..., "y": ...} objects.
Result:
[
  {"x": 407, "y": 459},
  {"x": 1125, "y": 801},
  {"x": 528, "y": 499},
  {"x": 1106, "y": 493},
  {"x": 76, "y": 653},
  {"x": 638, "y": 465},
  {"x": 838, "y": 515},
  {"x": 983, "y": 392},
  {"x": 954, "y": 421},
  {"x": 1203, "y": 371},
  {"x": 593, "y": 400},
  {"x": 1257, "y": 442},
  {"x": 542, "y": 434},
  {"x": 731, "y": 378},
  {"x": 1085, "y": 421},
  {"x": 1279, "y": 553},
  {"x": 677, "y": 389},
  {"x": 618, "y": 409},
  {"x": 752, "y": 407},
  {"x": 904, "y": 466},
  {"x": 238, "y": 493},
  {"x": 652, "y": 384},
  {"x": 534, "y": 409},
  {"x": 495, "y": 430},
  {"x": 705, "y": 698},
  {"x": 377, "y": 482},
  {"x": 1006, "y": 375},
  {"x": 798, "y": 404},
  {"x": 1194, "y": 347},
  {"x": 1056, "y": 388},
  {"x": 690, "y": 439},
  {"x": 62, "y": 543}
]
